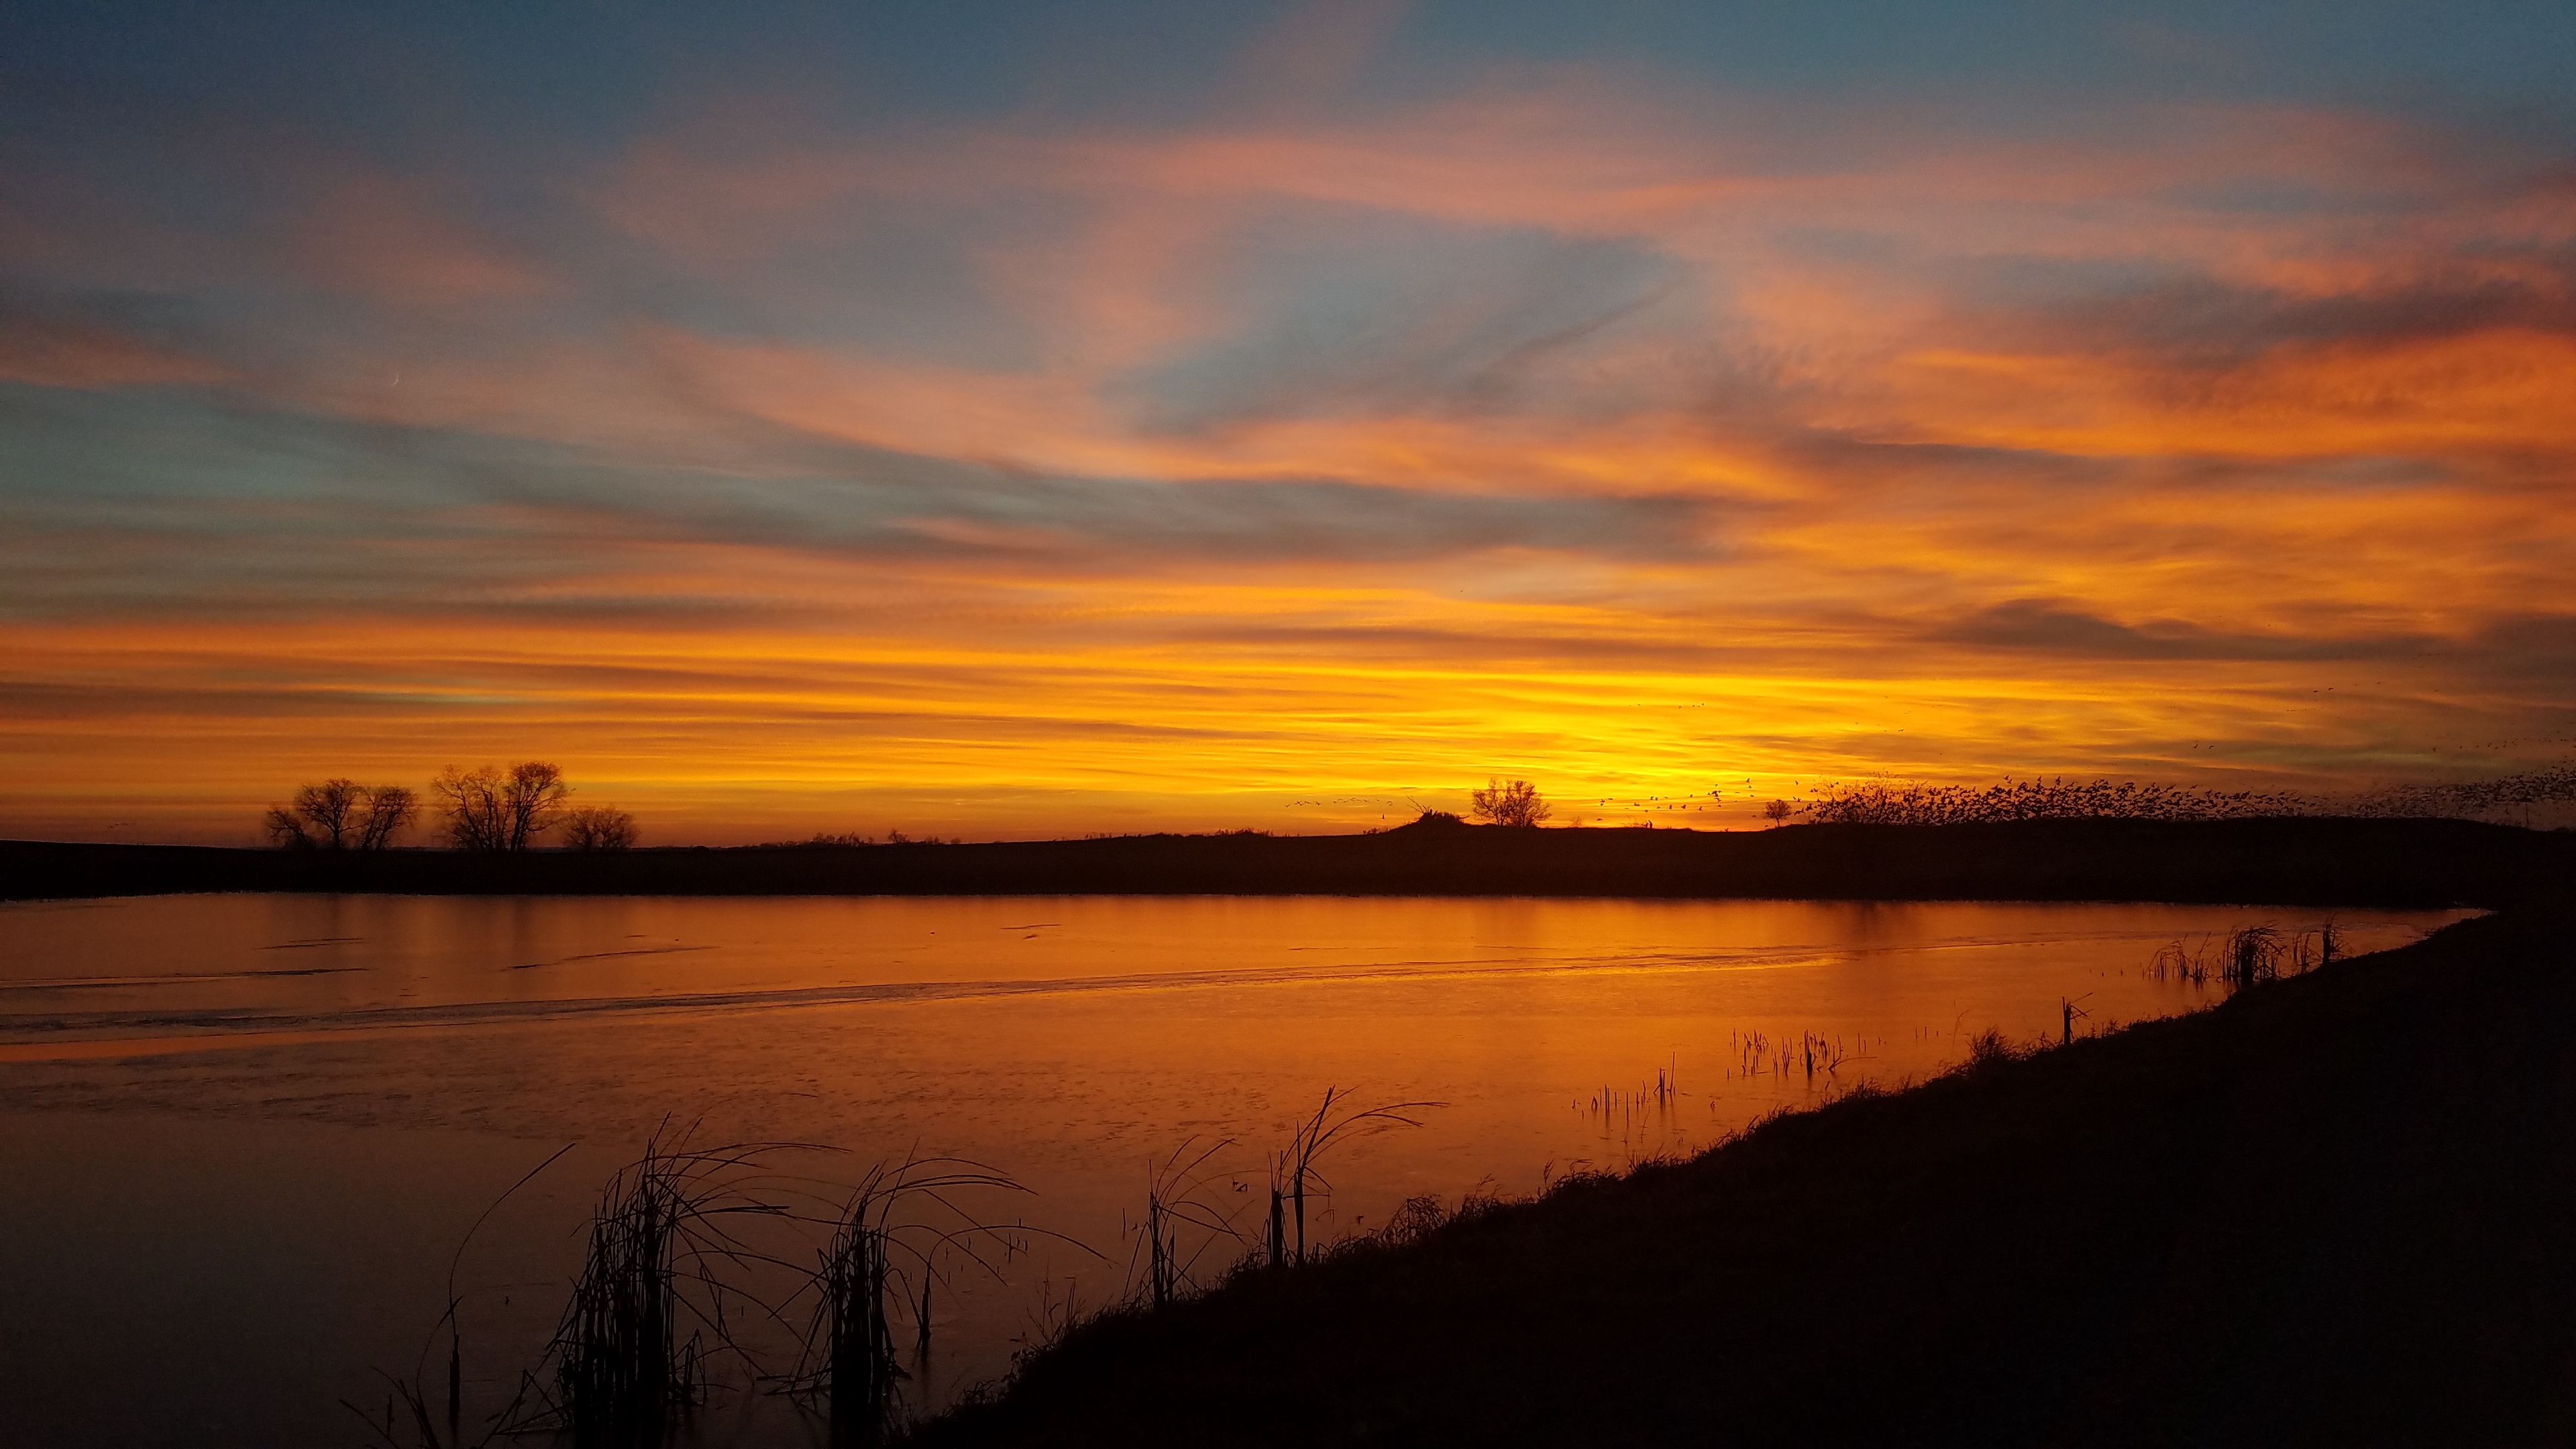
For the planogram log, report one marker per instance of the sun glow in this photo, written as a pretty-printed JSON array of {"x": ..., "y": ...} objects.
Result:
[{"x": 1294, "y": 467}]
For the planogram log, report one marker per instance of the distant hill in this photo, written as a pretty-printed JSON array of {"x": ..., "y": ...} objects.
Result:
[{"x": 2288, "y": 860}]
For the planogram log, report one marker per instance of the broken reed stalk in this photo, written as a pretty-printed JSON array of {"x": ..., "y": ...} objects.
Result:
[
  {"x": 1160, "y": 1270},
  {"x": 1278, "y": 1219}
]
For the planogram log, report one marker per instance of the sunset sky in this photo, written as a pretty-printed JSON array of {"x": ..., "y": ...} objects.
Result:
[{"x": 1022, "y": 420}]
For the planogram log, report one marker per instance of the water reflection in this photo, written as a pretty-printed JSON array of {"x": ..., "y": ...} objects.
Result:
[{"x": 263, "y": 1121}]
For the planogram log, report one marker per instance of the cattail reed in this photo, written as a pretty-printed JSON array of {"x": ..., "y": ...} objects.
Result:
[
  {"x": 1175, "y": 1206},
  {"x": 621, "y": 1372},
  {"x": 901, "y": 1228},
  {"x": 859, "y": 1349},
  {"x": 1318, "y": 1134},
  {"x": 2252, "y": 956}
]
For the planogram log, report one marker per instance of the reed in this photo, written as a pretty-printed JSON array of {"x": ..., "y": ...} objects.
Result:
[
  {"x": 2248, "y": 957},
  {"x": 2310, "y": 950},
  {"x": 649, "y": 1310},
  {"x": 411, "y": 1392},
  {"x": 1295, "y": 1170},
  {"x": 2252, "y": 956},
  {"x": 902, "y": 1228},
  {"x": 2179, "y": 961},
  {"x": 859, "y": 1365},
  {"x": 1176, "y": 1208}
]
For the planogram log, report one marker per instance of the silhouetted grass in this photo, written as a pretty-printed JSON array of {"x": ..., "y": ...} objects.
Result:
[
  {"x": 901, "y": 1233},
  {"x": 1298, "y": 1168},
  {"x": 649, "y": 1308},
  {"x": 2246, "y": 957},
  {"x": 1176, "y": 1212}
]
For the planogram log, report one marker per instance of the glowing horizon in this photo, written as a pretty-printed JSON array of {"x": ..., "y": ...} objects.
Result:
[{"x": 1275, "y": 420}]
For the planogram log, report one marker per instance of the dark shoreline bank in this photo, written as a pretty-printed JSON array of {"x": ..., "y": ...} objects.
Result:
[
  {"x": 2283, "y": 861},
  {"x": 2336, "y": 1209}
]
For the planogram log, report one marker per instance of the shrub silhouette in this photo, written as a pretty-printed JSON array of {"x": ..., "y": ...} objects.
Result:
[{"x": 598, "y": 827}]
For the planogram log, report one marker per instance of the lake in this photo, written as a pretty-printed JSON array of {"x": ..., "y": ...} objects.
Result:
[{"x": 245, "y": 1136}]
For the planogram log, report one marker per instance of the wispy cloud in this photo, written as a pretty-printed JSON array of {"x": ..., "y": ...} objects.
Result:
[{"x": 1576, "y": 416}]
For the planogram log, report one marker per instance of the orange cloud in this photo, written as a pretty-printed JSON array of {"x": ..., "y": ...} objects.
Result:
[{"x": 1637, "y": 445}]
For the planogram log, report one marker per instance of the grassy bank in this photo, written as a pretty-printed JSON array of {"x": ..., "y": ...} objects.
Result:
[
  {"x": 2284, "y": 861},
  {"x": 2340, "y": 1208}
]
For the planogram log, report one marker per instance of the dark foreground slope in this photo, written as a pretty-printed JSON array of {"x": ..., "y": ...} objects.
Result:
[
  {"x": 2337, "y": 862},
  {"x": 2339, "y": 1209}
]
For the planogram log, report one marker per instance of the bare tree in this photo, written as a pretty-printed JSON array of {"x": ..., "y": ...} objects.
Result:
[
  {"x": 471, "y": 801},
  {"x": 487, "y": 809},
  {"x": 285, "y": 830},
  {"x": 535, "y": 797},
  {"x": 598, "y": 827},
  {"x": 340, "y": 814},
  {"x": 389, "y": 809},
  {"x": 1517, "y": 803},
  {"x": 1778, "y": 812},
  {"x": 332, "y": 809}
]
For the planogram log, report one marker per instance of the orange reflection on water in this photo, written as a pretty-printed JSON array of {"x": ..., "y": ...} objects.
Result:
[{"x": 359, "y": 1053}]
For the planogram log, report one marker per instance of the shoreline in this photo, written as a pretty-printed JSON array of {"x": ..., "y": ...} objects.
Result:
[
  {"x": 2294, "y": 1215},
  {"x": 2285, "y": 861}
]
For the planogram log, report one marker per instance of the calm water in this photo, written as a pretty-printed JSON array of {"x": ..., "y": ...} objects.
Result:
[{"x": 243, "y": 1135}]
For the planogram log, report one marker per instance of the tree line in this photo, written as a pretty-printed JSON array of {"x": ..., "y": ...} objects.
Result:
[{"x": 483, "y": 809}]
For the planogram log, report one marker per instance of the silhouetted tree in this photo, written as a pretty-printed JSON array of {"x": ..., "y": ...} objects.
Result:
[
  {"x": 598, "y": 827},
  {"x": 1517, "y": 803},
  {"x": 488, "y": 809},
  {"x": 471, "y": 800},
  {"x": 340, "y": 814},
  {"x": 1778, "y": 812},
  {"x": 389, "y": 809},
  {"x": 283, "y": 830}
]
